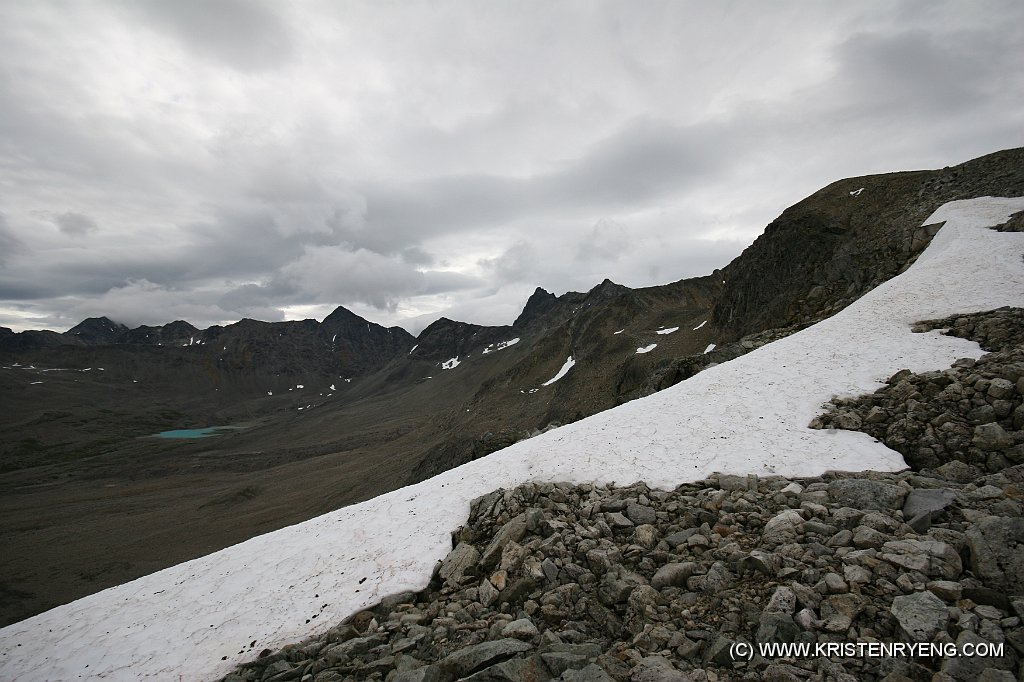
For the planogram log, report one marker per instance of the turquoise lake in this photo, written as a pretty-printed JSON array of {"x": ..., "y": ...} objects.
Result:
[{"x": 193, "y": 433}]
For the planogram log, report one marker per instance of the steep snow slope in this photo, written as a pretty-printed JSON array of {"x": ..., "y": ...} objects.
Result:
[{"x": 195, "y": 620}]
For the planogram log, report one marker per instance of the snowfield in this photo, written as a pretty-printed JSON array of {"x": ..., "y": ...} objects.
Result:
[{"x": 749, "y": 415}]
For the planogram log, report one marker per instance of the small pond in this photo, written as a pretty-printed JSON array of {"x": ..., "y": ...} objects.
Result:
[{"x": 206, "y": 432}]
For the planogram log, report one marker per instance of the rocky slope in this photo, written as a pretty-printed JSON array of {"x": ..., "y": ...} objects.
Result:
[
  {"x": 593, "y": 583},
  {"x": 967, "y": 419}
]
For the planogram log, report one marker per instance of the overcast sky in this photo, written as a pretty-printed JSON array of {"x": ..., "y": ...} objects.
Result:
[{"x": 212, "y": 160}]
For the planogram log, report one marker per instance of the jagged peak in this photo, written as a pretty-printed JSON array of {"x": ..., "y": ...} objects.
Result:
[
  {"x": 343, "y": 314},
  {"x": 102, "y": 322}
]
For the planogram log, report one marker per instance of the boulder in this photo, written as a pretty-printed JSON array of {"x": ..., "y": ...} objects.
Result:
[{"x": 921, "y": 615}]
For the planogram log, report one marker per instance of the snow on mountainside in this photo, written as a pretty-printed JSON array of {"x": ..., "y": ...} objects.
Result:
[{"x": 197, "y": 620}]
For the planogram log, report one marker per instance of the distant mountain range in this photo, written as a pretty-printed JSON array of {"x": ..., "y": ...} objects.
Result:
[{"x": 335, "y": 412}]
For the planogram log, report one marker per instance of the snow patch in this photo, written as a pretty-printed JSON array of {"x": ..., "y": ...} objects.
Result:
[
  {"x": 333, "y": 388},
  {"x": 495, "y": 347},
  {"x": 619, "y": 332},
  {"x": 647, "y": 349},
  {"x": 702, "y": 323},
  {"x": 451, "y": 364},
  {"x": 562, "y": 372},
  {"x": 856, "y": 192},
  {"x": 667, "y": 331},
  {"x": 710, "y": 348}
]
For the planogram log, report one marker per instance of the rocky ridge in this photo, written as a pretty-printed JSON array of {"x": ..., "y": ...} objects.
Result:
[{"x": 592, "y": 583}]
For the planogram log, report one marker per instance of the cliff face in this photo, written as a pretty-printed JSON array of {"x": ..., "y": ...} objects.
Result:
[{"x": 826, "y": 251}]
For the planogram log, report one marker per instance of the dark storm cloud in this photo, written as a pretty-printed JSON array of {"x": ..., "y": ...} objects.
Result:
[
  {"x": 75, "y": 224},
  {"x": 247, "y": 36}
]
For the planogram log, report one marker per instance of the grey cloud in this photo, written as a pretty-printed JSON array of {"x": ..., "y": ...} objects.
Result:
[
  {"x": 75, "y": 224},
  {"x": 444, "y": 281},
  {"x": 517, "y": 263},
  {"x": 247, "y": 36},
  {"x": 915, "y": 69},
  {"x": 9, "y": 242},
  {"x": 644, "y": 160},
  {"x": 414, "y": 255},
  {"x": 607, "y": 240}
]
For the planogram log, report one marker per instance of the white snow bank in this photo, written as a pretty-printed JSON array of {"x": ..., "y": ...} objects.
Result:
[
  {"x": 647, "y": 349},
  {"x": 710, "y": 348},
  {"x": 748, "y": 415},
  {"x": 501, "y": 345},
  {"x": 667, "y": 331},
  {"x": 451, "y": 364},
  {"x": 562, "y": 372},
  {"x": 702, "y": 323},
  {"x": 619, "y": 332}
]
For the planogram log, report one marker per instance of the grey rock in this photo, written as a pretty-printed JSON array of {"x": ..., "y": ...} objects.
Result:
[
  {"x": 921, "y": 615},
  {"x": 572, "y": 657},
  {"x": 520, "y": 629},
  {"x": 718, "y": 651},
  {"x": 656, "y": 669},
  {"x": 839, "y": 611},
  {"x": 971, "y": 667},
  {"x": 864, "y": 537},
  {"x": 784, "y": 527},
  {"x": 932, "y": 558},
  {"x": 1000, "y": 388},
  {"x": 513, "y": 531},
  {"x": 352, "y": 647},
  {"x": 478, "y": 656},
  {"x": 996, "y": 546},
  {"x": 679, "y": 537},
  {"x": 531, "y": 669},
  {"x": 783, "y": 600},
  {"x": 866, "y": 494},
  {"x": 761, "y": 561},
  {"x": 603, "y": 560},
  {"x": 429, "y": 673},
  {"x": 591, "y": 673},
  {"x": 991, "y": 437},
  {"x": 673, "y": 575},
  {"x": 487, "y": 593},
  {"x": 922, "y": 506},
  {"x": 458, "y": 561},
  {"x": 640, "y": 514},
  {"x": 776, "y": 627},
  {"x": 945, "y": 590}
]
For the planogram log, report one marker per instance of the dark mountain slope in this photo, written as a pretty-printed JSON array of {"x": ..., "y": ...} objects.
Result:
[{"x": 829, "y": 249}]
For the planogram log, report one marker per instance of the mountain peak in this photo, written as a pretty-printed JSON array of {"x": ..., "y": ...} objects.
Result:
[
  {"x": 540, "y": 302},
  {"x": 341, "y": 314},
  {"x": 98, "y": 330}
]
